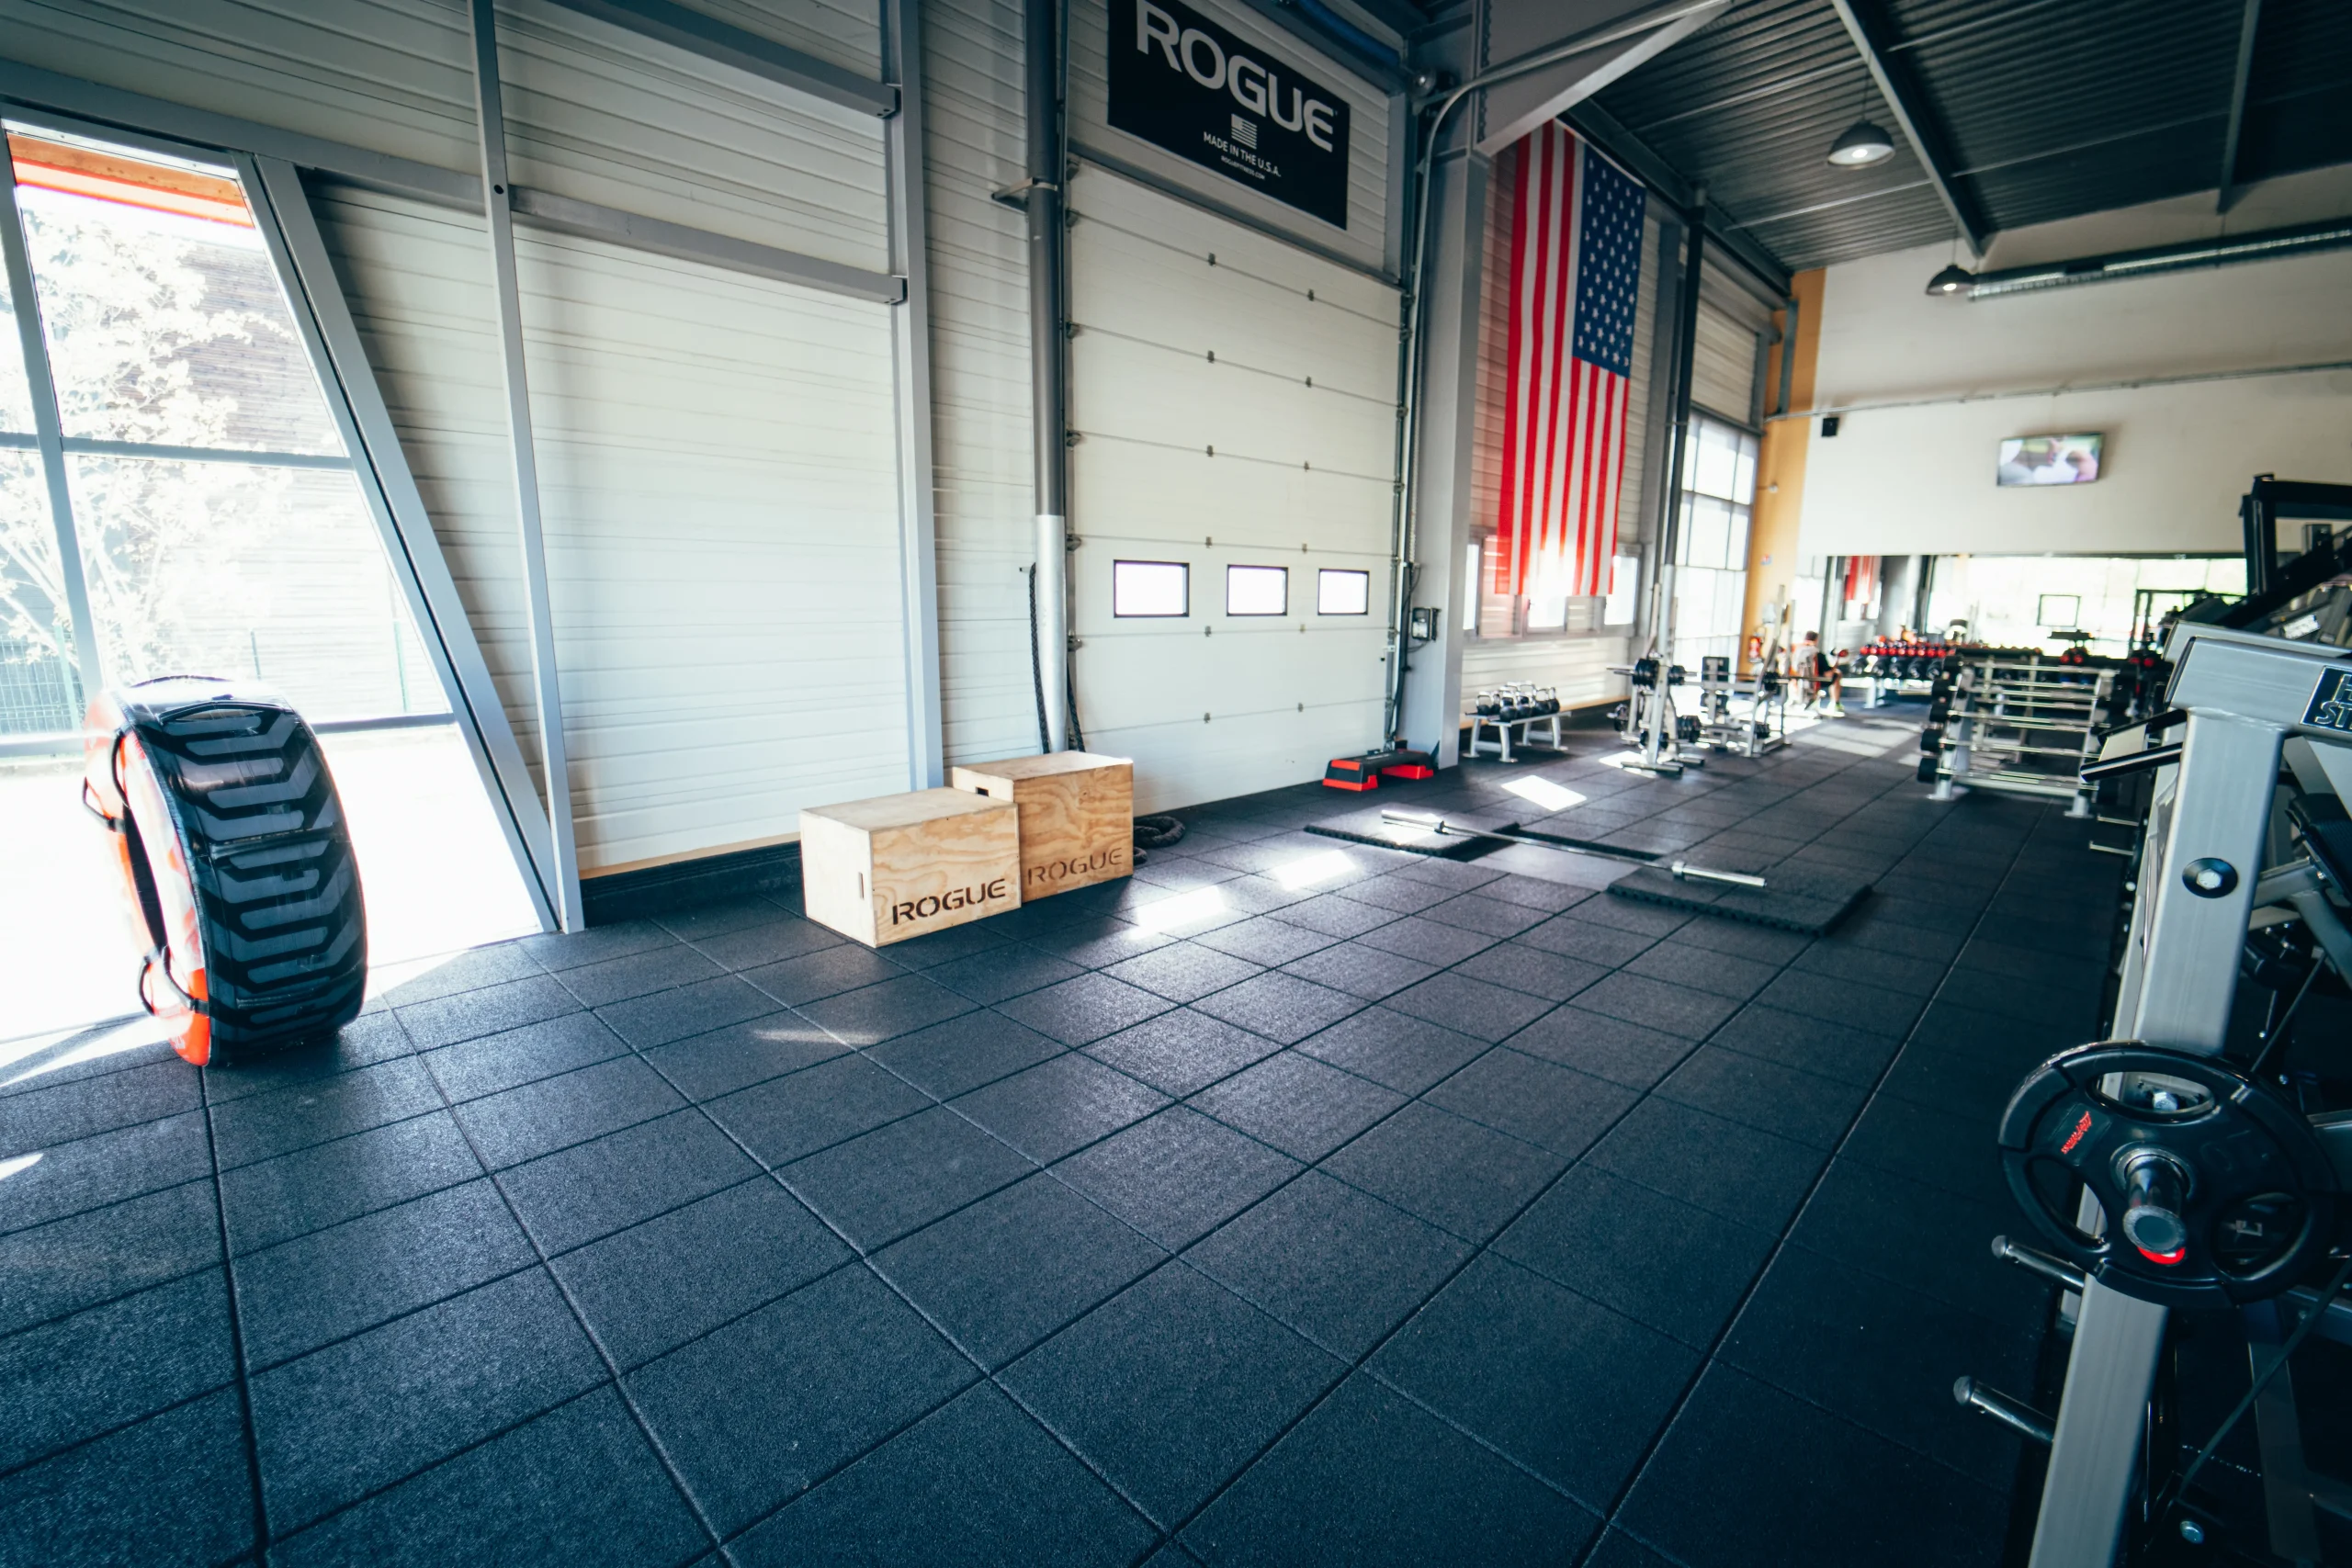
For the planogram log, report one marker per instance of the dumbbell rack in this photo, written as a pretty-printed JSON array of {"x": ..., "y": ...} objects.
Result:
[
  {"x": 1519, "y": 706},
  {"x": 2014, "y": 720}
]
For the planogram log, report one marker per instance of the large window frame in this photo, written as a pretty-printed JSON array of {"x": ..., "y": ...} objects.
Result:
[
  {"x": 297, "y": 256},
  {"x": 1717, "y": 506}
]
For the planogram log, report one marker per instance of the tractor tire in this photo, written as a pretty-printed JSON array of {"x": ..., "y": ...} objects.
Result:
[{"x": 236, "y": 861}]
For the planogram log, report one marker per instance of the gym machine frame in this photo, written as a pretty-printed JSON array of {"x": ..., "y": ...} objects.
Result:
[
  {"x": 1988, "y": 696},
  {"x": 2246, "y": 697}
]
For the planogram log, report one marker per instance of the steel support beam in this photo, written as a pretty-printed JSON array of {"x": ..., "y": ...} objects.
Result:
[
  {"x": 1669, "y": 514},
  {"x": 1904, "y": 97},
  {"x": 411, "y": 546},
  {"x": 49, "y": 94},
  {"x": 697, "y": 33},
  {"x": 546, "y": 690},
  {"x": 49, "y": 435},
  {"x": 1048, "y": 361},
  {"x": 2247, "y": 28},
  {"x": 911, "y": 348}
]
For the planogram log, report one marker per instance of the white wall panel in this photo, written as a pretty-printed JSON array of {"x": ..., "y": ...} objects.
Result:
[
  {"x": 593, "y": 112},
  {"x": 1366, "y": 237},
  {"x": 1723, "y": 362},
  {"x": 718, "y": 481},
  {"x": 980, "y": 377},
  {"x": 1212, "y": 705}
]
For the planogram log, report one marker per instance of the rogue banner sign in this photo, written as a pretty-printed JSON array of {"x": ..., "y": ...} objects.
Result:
[{"x": 1184, "y": 84}]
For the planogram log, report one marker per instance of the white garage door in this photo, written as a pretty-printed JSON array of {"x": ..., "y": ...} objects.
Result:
[{"x": 1234, "y": 400}]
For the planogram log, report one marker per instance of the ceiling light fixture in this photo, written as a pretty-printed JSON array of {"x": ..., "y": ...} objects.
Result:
[
  {"x": 1955, "y": 279},
  {"x": 1862, "y": 145}
]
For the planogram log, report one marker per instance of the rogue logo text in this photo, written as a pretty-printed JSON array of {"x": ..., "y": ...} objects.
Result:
[
  {"x": 1072, "y": 865},
  {"x": 930, "y": 904},
  {"x": 1184, "y": 84}
]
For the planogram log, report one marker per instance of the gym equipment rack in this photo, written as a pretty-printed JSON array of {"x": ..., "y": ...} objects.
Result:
[
  {"x": 1516, "y": 705},
  {"x": 2016, "y": 721}
]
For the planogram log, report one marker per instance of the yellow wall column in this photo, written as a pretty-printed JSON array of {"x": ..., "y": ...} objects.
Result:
[{"x": 1780, "y": 467}]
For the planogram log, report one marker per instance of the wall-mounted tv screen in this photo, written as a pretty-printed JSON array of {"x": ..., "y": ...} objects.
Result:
[{"x": 2050, "y": 459}]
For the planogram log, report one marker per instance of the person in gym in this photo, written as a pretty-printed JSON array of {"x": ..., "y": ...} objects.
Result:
[{"x": 1820, "y": 672}]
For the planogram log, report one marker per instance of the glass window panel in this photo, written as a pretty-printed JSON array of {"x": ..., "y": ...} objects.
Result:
[
  {"x": 1340, "y": 592},
  {"x": 241, "y": 569},
  {"x": 1735, "y": 556},
  {"x": 1743, "y": 479},
  {"x": 1706, "y": 531},
  {"x": 1150, "y": 588},
  {"x": 165, "y": 319},
  {"x": 15, "y": 392},
  {"x": 1257, "y": 590},
  {"x": 1471, "y": 579},
  {"x": 1624, "y": 583},
  {"x": 40, "y": 685},
  {"x": 1718, "y": 460}
]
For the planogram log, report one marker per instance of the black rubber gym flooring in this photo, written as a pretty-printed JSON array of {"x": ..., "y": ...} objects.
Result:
[{"x": 1425, "y": 1213}]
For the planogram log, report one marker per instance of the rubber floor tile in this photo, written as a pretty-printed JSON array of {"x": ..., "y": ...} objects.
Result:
[
  {"x": 1795, "y": 1104},
  {"x": 1552, "y": 1106},
  {"x": 1297, "y": 1104},
  {"x": 785, "y": 1119},
  {"x": 647, "y": 1289},
  {"x": 879, "y": 1185},
  {"x": 876, "y": 1013},
  {"x": 1568, "y": 1388},
  {"x": 1755, "y": 1178},
  {"x": 1928, "y": 1239},
  {"x": 173, "y": 1489},
  {"x": 494, "y": 1063},
  {"x": 485, "y": 1011},
  {"x": 1554, "y": 977},
  {"x": 44, "y": 1118},
  {"x": 1797, "y": 1040},
  {"x": 1884, "y": 1357},
  {"x": 1428, "y": 940},
  {"x": 1371, "y": 1480},
  {"x": 976, "y": 1485},
  {"x": 1677, "y": 1268},
  {"x": 1181, "y": 1052},
  {"x": 1330, "y": 915},
  {"x": 1679, "y": 963},
  {"x": 106, "y": 1167},
  {"x": 1176, "y": 1176},
  {"x": 553, "y": 1113},
  {"x": 77, "y": 1262},
  {"x": 77, "y": 1377},
  {"x": 1081, "y": 1011},
  {"x": 301, "y": 1115},
  {"x": 1833, "y": 999},
  {"x": 1823, "y": 1491},
  {"x": 1172, "y": 1387},
  {"x": 1003, "y": 972},
  {"x": 822, "y": 972},
  {"x": 1452, "y": 1172},
  {"x": 1624, "y": 1054},
  {"x": 1011, "y": 1269},
  {"x": 365, "y": 1412},
  {"x": 1571, "y": 936},
  {"x": 1361, "y": 970},
  {"x": 1268, "y": 940},
  {"x": 639, "y": 973},
  {"x": 1403, "y": 1053},
  {"x": 1339, "y": 1266},
  {"x": 570, "y": 950},
  {"x": 1476, "y": 1007},
  {"x": 1183, "y": 971},
  {"x": 1283, "y": 1007},
  {"x": 592, "y": 1190},
  {"x": 963, "y": 1053},
  {"x": 575, "y": 1486},
  {"x": 705, "y": 1066},
  {"x": 1674, "y": 1008},
  {"x": 1058, "y": 1107},
  {"x": 1934, "y": 1144},
  {"x": 755, "y": 1414}
]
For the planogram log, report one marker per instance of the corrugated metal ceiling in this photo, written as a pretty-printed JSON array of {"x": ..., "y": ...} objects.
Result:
[{"x": 2049, "y": 108}]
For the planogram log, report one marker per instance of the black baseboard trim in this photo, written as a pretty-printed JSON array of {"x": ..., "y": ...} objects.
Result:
[{"x": 686, "y": 883}]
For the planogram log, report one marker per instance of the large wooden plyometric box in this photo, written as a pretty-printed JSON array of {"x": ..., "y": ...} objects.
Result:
[
  {"x": 895, "y": 868},
  {"x": 1078, "y": 815}
]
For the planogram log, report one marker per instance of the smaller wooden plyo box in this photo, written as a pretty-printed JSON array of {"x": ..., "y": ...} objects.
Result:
[
  {"x": 900, "y": 865},
  {"x": 1077, "y": 822}
]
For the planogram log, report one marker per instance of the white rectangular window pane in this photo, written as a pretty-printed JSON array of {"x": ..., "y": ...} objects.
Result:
[
  {"x": 1257, "y": 590},
  {"x": 1471, "y": 579},
  {"x": 164, "y": 315},
  {"x": 1547, "y": 611},
  {"x": 1706, "y": 532},
  {"x": 1343, "y": 593},
  {"x": 1624, "y": 581},
  {"x": 1743, "y": 479},
  {"x": 40, "y": 685},
  {"x": 241, "y": 570},
  {"x": 1738, "y": 556},
  {"x": 1718, "y": 460},
  {"x": 1150, "y": 588},
  {"x": 15, "y": 392}
]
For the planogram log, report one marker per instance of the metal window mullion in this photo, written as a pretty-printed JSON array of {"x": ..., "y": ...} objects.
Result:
[
  {"x": 903, "y": 168},
  {"x": 48, "y": 433},
  {"x": 498, "y": 207},
  {"x": 412, "y": 549}
]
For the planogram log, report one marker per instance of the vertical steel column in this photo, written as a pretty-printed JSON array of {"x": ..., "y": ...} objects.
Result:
[
  {"x": 498, "y": 200},
  {"x": 911, "y": 348},
  {"x": 1669, "y": 521},
  {"x": 1042, "y": 103},
  {"x": 50, "y": 434}
]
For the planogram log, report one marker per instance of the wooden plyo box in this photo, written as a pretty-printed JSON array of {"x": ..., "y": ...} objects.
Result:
[
  {"x": 900, "y": 865},
  {"x": 1078, "y": 821}
]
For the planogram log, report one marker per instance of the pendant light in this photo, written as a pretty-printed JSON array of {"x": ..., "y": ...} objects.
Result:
[
  {"x": 1862, "y": 145},
  {"x": 1955, "y": 279}
]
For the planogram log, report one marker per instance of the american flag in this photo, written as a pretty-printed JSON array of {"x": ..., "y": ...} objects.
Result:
[{"x": 1575, "y": 273}]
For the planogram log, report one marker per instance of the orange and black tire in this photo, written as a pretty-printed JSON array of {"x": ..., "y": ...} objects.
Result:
[{"x": 236, "y": 861}]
